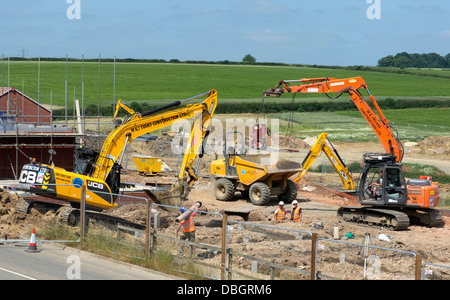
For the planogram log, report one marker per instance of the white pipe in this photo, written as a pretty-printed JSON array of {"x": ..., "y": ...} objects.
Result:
[{"x": 184, "y": 215}]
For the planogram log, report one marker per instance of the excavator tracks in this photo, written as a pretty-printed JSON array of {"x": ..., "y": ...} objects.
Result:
[
  {"x": 390, "y": 218},
  {"x": 71, "y": 216},
  {"x": 425, "y": 217},
  {"x": 436, "y": 219},
  {"x": 386, "y": 218}
]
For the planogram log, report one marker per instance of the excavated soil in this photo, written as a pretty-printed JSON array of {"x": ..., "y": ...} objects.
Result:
[{"x": 317, "y": 195}]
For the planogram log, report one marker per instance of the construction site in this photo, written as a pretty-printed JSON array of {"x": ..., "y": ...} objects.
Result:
[{"x": 243, "y": 173}]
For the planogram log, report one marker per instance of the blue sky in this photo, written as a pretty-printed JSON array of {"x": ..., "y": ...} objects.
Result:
[{"x": 327, "y": 32}]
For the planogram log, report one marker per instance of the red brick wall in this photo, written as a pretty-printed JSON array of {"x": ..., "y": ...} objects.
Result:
[
  {"x": 37, "y": 147},
  {"x": 26, "y": 110}
]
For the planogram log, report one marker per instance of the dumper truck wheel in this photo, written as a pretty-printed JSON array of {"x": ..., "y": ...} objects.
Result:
[
  {"x": 224, "y": 189},
  {"x": 290, "y": 194},
  {"x": 259, "y": 193}
]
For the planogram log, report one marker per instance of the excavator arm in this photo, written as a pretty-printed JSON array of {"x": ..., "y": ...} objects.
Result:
[
  {"x": 327, "y": 85},
  {"x": 100, "y": 171},
  {"x": 333, "y": 156},
  {"x": 140, "y": 124}
]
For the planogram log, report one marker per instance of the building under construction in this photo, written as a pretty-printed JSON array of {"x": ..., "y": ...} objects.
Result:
[{"x": 27, "y": 131}]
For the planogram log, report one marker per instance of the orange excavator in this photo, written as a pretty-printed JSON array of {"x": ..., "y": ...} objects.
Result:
[{"x": 386, "y": 198}]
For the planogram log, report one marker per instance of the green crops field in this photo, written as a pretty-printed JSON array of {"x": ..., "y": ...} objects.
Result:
[
  {"x": 348, "y": 126},
  {"x": 163, "y": 82},
  {"x": 166, "y": 81}
]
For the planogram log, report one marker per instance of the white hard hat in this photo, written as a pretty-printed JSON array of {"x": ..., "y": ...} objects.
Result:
[
  {"x": 281, "y": 203},
  {"x": 294, "y": 202}
]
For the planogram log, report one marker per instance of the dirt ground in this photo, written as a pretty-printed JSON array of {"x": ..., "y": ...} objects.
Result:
[{"x": 317, "y": 195}]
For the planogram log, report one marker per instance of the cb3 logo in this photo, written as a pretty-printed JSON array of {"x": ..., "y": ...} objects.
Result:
[{"x": 28, "y": 176}]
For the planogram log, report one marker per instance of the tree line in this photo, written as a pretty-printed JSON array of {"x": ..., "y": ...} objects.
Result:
[
  {"x": 414, "y": 60},
  {"x": 270, "y": 107}
]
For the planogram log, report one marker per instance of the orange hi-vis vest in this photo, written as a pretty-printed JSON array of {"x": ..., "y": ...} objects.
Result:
[
  {"x": 280, "y": 215},
  {"x": 297, "y": 213},
  {"x": 188, "y": 224}
]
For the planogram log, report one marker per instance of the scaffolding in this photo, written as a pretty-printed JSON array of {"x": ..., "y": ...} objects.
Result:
[{"x": 19, "y": 134}]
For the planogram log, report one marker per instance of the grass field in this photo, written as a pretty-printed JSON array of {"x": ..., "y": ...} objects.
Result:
[
  {"x": 429, "y": 116},
  {"x": 411, "y": 124},
  {"x": 165, "y": 81}
]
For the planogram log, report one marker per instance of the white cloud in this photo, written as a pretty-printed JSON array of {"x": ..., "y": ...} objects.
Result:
[{"x": 445, "y": 33}]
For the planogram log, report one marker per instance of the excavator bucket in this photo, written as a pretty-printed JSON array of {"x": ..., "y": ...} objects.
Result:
[{"x": 174, "y": 196}]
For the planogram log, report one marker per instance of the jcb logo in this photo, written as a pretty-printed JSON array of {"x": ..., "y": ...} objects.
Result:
[{"x": 95, "y": 185}]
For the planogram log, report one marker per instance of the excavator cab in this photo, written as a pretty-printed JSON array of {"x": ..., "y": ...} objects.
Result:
[
  {"x": 382, "y": 182},
  {"x": 230, "y": 152}
]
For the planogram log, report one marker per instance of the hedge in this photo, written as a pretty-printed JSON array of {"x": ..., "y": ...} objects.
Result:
[{"x": 274, "y": 107}]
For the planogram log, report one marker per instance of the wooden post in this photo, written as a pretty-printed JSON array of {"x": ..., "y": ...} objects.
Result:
[
  {"x": 230, "y": 266},
  {"x": 147, "y": 230},
  {"x": 418, "y": 273},
  {"x": 222, "y": 259},
  {"x": 313, "y": 255}
]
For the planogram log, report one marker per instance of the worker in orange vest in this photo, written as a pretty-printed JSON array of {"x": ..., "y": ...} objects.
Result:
[
  {"x": 189, "y": 228},
  {"x": 280, "y": 214},
  {"x": 296, "y": 212}
]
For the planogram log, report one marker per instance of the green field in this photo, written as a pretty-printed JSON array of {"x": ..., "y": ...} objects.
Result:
[
  {"x": 429, "y": 116},
  {"x": 166, "y": 81},
  {"x": 348, "y": 126}
]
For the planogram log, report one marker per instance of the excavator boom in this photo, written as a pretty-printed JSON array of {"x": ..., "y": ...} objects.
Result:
[
  {"x": 101, "y": 171},
  {"x": 327, "y": 85},
  {"x": 332, "y": 155},
  {"x": 139, "y": 125}
]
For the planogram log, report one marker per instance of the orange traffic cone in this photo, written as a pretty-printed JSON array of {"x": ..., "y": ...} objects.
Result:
[{"x": 32, "y": 248}]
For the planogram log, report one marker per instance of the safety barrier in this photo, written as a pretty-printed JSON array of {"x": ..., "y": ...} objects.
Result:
[
  {"x": 432, "y": 271},
  {"x": 366, "y": 261},
  {"x": 353, "y": 260},
  {"x": 256, "y": 260},
  {"x": 211, "y": 250}
]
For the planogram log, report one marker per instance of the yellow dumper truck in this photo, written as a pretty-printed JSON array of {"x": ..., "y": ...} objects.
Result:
[{"x": 256, "y": 176}]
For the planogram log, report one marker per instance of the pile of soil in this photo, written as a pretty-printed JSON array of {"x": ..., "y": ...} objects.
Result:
[
  {"x": 435, "y": 145},
  {"x": 14, "y": 223},
  {"x": 290, "y": 142}
]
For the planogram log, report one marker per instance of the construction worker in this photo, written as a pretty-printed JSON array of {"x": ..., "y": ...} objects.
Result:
[
  {"x": 377, "y": 187},
  {"x": 189, "y": 228},
  {"x": 296, "y": 212},
  {"x": 280, "y": 213}
]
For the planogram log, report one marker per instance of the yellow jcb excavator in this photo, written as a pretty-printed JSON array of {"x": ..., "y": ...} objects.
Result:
[
  {"x": 333, "y": 156},
  {"x": 99, "y": 171}
]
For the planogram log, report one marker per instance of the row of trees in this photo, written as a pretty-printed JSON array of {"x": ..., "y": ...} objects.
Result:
[
  {"x": 407, "y": 60},
  {"x": 247, "y": 59},
  {"x": 272, "y": 107}
]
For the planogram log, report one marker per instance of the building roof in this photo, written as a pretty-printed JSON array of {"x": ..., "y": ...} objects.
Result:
[{"x": 5, "y": 90}]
